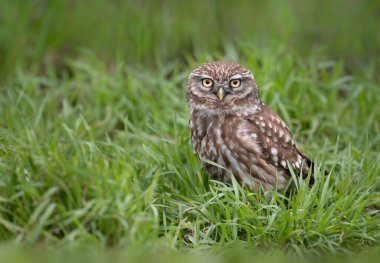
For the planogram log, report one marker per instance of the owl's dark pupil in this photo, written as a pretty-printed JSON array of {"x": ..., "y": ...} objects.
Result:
[{"x": 207, "y": 82}]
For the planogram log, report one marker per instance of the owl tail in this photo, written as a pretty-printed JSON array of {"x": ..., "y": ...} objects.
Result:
[{"x": 311, "y": 166}]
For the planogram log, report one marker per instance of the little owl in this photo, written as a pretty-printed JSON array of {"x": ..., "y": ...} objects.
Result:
[{"x": 234, "y": 132}]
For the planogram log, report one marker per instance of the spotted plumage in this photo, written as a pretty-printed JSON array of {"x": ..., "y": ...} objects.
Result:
[{"x": 233, "y": 132}]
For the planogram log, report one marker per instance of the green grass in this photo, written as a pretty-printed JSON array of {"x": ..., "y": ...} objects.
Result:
[
  {"x": 104, "y": 159},
  {"x": 95, "y": 154}
]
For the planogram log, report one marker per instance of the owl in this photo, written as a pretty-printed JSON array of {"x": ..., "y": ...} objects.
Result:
[{"x": 234, "y": 133}]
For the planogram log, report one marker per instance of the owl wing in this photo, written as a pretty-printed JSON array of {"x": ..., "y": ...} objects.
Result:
[{"x": 277, "y": 146}]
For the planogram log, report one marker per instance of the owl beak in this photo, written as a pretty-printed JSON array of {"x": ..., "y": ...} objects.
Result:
[{"x": 221, "y": 93}]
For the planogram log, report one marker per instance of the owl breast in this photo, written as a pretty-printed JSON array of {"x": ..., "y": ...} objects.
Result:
[{"x": 217, "y": 141}]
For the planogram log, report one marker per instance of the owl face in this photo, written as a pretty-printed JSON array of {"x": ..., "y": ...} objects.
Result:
[{"x": 221, "y": 86}]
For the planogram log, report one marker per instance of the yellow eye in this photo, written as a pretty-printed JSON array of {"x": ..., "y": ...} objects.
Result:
[
  {"x": 235, "y": 83},
  {"x": 207, "y": 83}
]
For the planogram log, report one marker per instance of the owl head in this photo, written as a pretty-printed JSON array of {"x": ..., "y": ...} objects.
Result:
[{"x": 221, "y": 87}]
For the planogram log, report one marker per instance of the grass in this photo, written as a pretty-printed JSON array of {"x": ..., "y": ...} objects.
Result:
[
  {"x": 105, "y": 159},
  {"x": 94, "y": 145}
]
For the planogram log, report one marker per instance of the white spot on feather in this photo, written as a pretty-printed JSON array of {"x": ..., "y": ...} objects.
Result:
[
  {"x": 275, "y": 159},
  {"x": 274, "y": 151},
  {"x": 218, "y": 136},
  {"x": 245, "y": 133},
  {"x": 203, "y": 144}
]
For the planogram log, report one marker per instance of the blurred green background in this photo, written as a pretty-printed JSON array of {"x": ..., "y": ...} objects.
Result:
[{"x": 39, "y": 33}]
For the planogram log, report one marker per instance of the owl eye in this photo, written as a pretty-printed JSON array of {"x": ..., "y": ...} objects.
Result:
[
  {"x": 235, "y": 83},
  {"x": 207, "y": 83}
]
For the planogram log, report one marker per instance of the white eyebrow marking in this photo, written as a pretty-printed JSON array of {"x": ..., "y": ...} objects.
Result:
[
  {"x": 205, "y": 76},
  {"x": 237, "y": 76}
]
